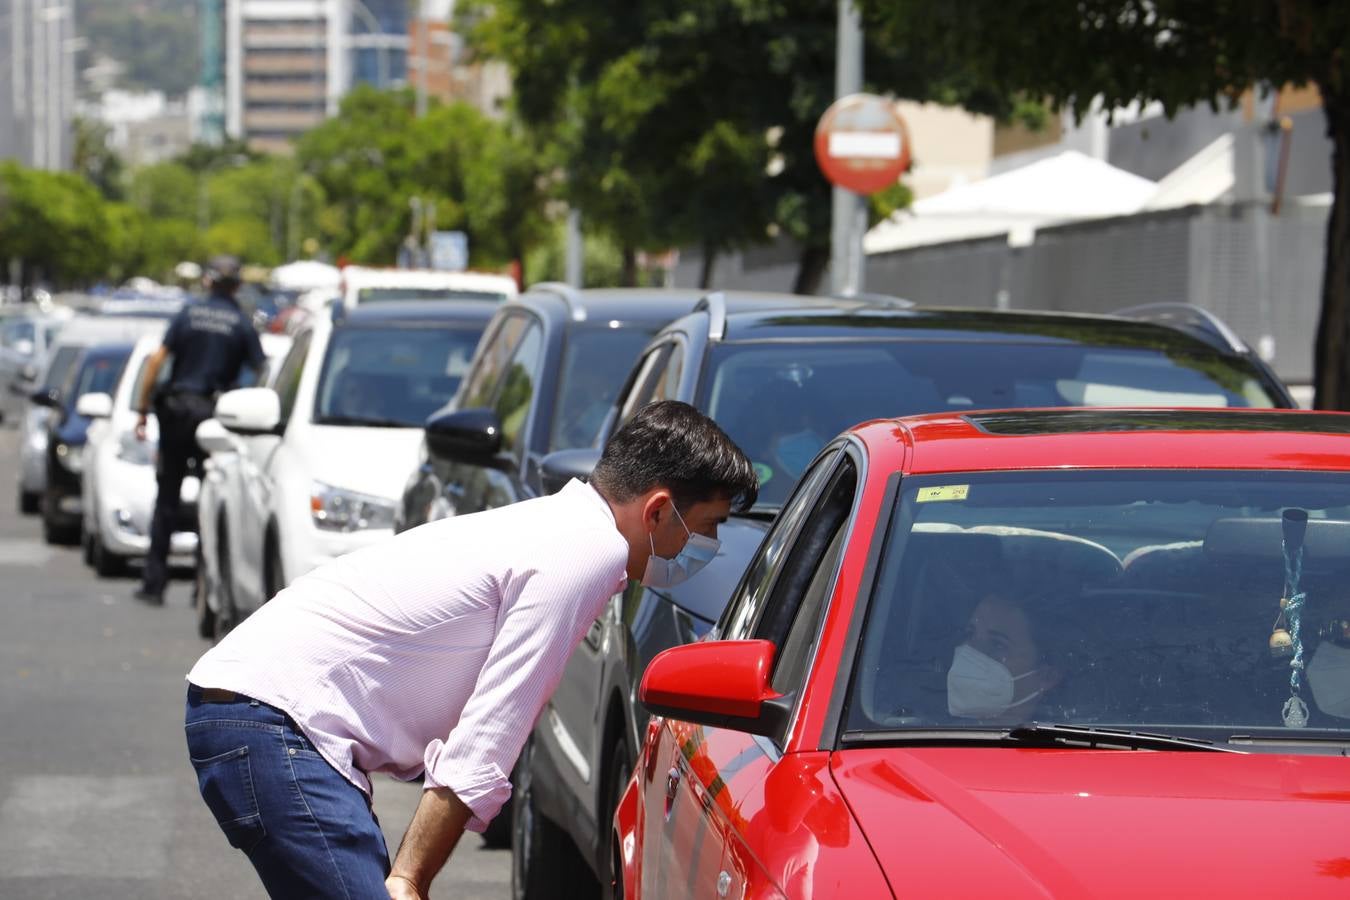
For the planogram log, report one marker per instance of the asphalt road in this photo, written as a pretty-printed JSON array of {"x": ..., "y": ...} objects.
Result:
[{"x": 97, "y": 798}]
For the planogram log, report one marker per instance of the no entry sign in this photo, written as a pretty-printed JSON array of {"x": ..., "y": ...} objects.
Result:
[{"x": 862, "y": 144}]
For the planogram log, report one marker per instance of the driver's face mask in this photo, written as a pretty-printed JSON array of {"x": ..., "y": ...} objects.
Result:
[
  {"x": 1329, "y": 679},
  {"x": 981, "y": 687},
  {"x": 698, "y": 552}
]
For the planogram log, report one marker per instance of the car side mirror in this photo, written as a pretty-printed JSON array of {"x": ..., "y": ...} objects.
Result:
[
  {"x": 469, "y": 436},
  {"x": 96, "y": 405},
  {"x": 48, "y": 397},
  {"x": 24, "y": 347},
  {"x": 249, "y": 411},
  {"x": 560, "y": 467},
  {"x": 214, "y": 438},
  {"x": 724, "y": 684}
]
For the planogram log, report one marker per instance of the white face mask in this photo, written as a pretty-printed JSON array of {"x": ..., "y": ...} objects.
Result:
[
  {"x": 1329, "y": 678},
  {"x": 698, "y": 552},
  {"x": 981, "y": 687}
]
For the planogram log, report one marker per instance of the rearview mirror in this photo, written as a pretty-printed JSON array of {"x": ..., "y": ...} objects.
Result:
[
  {"x": 471, "y": 436},
  {"x": 560, "y": 467},
  {"x": 97, "y": 405},
  {"x": 213, "y": 438},
  {"x": 720, "y": 683},
  {"x": 249, "y": 411},
  {"x": 48, "y": 397}
]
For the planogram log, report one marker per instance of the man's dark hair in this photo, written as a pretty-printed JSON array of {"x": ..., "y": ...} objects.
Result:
[{"x": 670, "y": 444}]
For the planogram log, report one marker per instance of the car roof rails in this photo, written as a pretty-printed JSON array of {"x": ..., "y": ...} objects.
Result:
[
  {"x": 1194, "y": 320},
  {"x": 716, "y": 305},
  {"x": 569, "y": 294}
]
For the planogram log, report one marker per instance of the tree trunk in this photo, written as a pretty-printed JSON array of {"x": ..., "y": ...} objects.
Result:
[
  {"x": 629, "y": 276},
  {"x": 705, "y": 272},
  {"x": 1331, "y": 364},
  {"x": 811, "y": 269}
]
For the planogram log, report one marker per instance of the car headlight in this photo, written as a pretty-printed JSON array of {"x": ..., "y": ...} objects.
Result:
[
  {"x": 335, "y": 509},
  {"x": 138, "y": 453},
  {"x": 70, "y": 457}
]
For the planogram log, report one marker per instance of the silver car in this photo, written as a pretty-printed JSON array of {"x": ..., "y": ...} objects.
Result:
[
  {"x": 80, "y": 332},
  {"x": 25, "y": 340}
]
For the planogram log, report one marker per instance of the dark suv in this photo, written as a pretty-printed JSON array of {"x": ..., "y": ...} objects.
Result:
[
  {"x": 543, "y": 379},
  {"x": 96, "y": 370},
  {"x": 783, "y": 383}
]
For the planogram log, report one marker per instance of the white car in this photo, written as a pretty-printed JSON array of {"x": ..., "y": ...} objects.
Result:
[
  {"x": 118, "y": 487},
  {"x": 216, "y": 518},
  {"x": 362, "y": 284},
  {"x": 75, "y": 335},
  {"x": 324, "y": 452}
]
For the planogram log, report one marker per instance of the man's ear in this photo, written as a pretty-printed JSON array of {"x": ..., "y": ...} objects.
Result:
[{"x": 654, "y": 508}]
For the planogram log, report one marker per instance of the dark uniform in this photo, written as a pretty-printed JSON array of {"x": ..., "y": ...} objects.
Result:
[{"x": 209, "y": 342}]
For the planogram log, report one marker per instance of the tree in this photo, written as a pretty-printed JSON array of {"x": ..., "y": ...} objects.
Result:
[
  {"x": 693, "y": 123},
  {"x": 55, "y": 223},
  {"x": 95, "y": 160},
  {"x": 1178, "y": 52}
]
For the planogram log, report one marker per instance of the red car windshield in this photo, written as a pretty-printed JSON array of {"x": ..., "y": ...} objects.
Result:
[{"x": 1173, "y": 602}]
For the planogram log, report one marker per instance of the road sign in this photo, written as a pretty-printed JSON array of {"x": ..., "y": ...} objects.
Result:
[
  {"x": 450, "y": 250},
  {"x": 862, "y": 144}
]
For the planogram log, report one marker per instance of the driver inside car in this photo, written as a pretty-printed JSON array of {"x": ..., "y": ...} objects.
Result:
[{"x": 999, "y": 673}]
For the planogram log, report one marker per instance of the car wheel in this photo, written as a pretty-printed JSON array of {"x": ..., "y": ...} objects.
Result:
[
  {"x": 30, "y": 502},
  {"x": 227, "y": 614},
  {"x": 272, "y": 567},
  {"x": 620, "y": 770},
  {"x": 53, "y": 532},
  {"x": 106, "y": 563},
  {"x": 206, "y": 618},
  {"x": 543, "y": 861}
]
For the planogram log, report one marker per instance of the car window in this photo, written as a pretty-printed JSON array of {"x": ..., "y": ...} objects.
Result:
[
  {"x": 518, "y": 389},
  {"x": 485, "y": 375},
  {"x": 1201, "y": 603},
  {"x": 781, "y": 402},
  {"x": 13, "y": 332},
  {"x": 288, "y": 376},
  {"x": 667, "y": 378},
  {"x": 644, "y": 383},
  {"x": 742, "y": 613},
  {"x": 595, "y": 363},
  {"x": 391, "y": 376},
  {"x": 93, "y": 375},
  {"x": 799, "y": 596},
  {"x": 59, "y": 368},
  {"x": 386, "y": 294}
]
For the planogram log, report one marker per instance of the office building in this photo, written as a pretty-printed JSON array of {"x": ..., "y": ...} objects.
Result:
[{"x": 37, "y": 82}]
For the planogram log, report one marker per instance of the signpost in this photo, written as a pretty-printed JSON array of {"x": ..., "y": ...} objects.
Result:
[{"x": 862, "y": 146}]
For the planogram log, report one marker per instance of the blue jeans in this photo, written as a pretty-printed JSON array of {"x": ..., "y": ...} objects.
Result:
[{"x": 307, "y": 830}]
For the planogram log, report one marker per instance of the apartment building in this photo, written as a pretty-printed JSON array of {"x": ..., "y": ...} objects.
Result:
[
  {"x": 37, "y": 82},
  {"x": 288, "y": 63}
]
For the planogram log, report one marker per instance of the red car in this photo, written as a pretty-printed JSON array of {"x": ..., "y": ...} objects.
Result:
[{"x": 1055, "y": 653}]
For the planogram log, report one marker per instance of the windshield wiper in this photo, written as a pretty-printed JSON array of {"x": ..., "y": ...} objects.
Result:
[
  {"x": 361, "y": 420},
  {"x": 1038, "y": 734}
]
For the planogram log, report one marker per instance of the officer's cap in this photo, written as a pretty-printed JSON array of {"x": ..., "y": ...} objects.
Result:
[{"x": 224, "y": 269}]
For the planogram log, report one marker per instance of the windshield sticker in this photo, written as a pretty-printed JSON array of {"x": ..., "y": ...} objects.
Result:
[
  {"x": 763, "y": 472},
  {"x": 947, "y": 492}
]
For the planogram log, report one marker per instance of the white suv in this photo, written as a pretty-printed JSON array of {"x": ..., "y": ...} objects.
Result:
[{"x": 326, "y": 449}]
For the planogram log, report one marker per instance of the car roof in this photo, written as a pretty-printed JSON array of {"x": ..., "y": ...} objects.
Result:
[
  {"x": 644, "y": 305},
  {"x": 1105, "y": 438},
  {"x": 843, "y": 319},
  {"x": 82, "y": 330},
  {"x": 408, "y": 312}
]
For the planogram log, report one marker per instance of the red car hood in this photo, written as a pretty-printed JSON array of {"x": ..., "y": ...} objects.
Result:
[{"x": 967, "y": 822}]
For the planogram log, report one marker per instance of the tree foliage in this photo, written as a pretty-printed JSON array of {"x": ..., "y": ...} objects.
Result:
[
  {"x": 1178, "y": 52},
  {"x": 154, "y": 41}
]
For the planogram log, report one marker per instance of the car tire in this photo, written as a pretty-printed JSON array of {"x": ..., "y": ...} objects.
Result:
[
  {"x": 206, "y": 618},
  {"x": 618, "y": 770},
  {"x": 273, "y": 576},
  {"x": 544, "y": 863},
  {"x": 53, "y": 532},
  {"x": 87, "y": 548},
  {"x": 30, "y": 502},
  {"x": 227, "y": 614},
  {"x": 106, "y": 563}
]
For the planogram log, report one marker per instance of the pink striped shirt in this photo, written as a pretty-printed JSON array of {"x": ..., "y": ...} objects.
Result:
[{"x": 432, "y": 653}]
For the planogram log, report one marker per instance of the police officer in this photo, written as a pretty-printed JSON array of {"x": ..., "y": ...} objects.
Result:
[{"x": 210, "y": 342}]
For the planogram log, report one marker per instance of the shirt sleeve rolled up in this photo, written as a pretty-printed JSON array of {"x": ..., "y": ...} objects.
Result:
[{"x": 546, "y": 609}]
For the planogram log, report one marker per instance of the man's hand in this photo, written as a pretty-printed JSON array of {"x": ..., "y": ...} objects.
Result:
[
  {"x": 401, "y": 888},
  {"x": 140, "y": 427}
]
